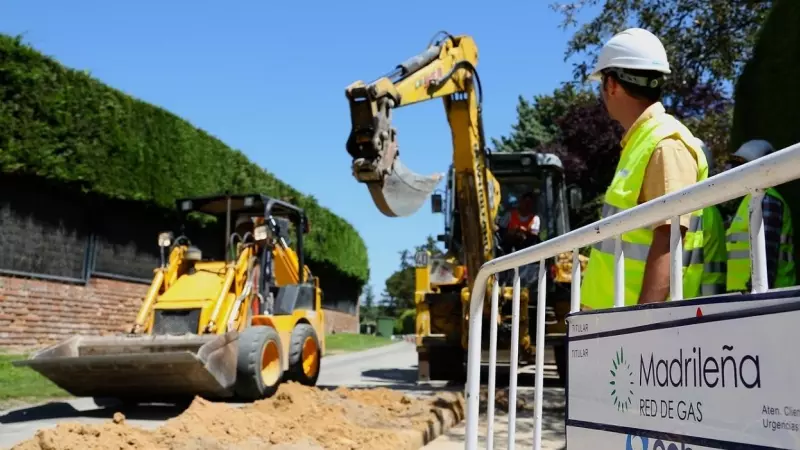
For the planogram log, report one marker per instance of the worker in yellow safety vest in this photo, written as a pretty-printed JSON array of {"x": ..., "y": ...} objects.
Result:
[
  {"x": 659, "y": 156},
  {"x": 778, "y": 231},
  {"x": 712, "y": 254}
]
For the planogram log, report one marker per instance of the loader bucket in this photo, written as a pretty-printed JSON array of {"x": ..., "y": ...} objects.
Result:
[{"x": 141, "y": 367}]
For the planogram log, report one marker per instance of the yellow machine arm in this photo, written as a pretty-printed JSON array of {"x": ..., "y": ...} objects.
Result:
[
  {"x": 446, "y": 70},
  {"x": 286, "y": 266}
]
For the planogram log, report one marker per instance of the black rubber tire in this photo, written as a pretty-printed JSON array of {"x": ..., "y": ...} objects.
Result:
[
  {"x": 560, "y": 353},
  {"x": 250, "y": 385},
  {"x": 301, "y": 332}
]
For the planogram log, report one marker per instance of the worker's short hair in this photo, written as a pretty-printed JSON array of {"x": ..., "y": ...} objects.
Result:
[
  {"x": 640, "y": 84},
  {"x": 528, "y": 195}
]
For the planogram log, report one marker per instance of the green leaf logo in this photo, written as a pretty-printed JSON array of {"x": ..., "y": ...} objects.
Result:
[{"x": 621, "y": 382}]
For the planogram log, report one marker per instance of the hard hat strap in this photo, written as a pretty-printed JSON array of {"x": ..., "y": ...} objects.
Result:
[{"x": 636, "y": 79}]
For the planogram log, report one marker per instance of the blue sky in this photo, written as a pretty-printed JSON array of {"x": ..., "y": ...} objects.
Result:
[{"x": 268, "y": 79}]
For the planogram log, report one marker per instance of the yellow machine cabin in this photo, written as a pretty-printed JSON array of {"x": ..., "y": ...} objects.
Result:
[{"x": 231, "y": 327}]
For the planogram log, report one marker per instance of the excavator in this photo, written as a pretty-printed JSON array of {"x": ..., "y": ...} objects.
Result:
[
  {"x": 234, "y": 327},
  {"x": 480, "y": 183}
]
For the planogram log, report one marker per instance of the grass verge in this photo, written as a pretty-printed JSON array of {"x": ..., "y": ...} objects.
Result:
[
  {"x": 23, "y": 384},
  {"x": 349, "y": 342}
]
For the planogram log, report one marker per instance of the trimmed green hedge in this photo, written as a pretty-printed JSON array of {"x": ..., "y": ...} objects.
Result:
[
  {"x": 63, "y": 125},
  {"x": 767, "y": 93}
]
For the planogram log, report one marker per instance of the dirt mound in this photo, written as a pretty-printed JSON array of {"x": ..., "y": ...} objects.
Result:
[{"x": 297, "y": 417}]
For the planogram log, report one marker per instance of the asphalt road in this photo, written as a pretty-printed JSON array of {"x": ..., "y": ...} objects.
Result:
[{"x": 392, "y": 366}]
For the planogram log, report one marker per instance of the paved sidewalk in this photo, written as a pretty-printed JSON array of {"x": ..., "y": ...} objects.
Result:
[{"x": 553, "y": 430}]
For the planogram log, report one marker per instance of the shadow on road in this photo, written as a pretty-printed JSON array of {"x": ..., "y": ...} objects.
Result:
[
  {"x": 407, "y": 387},
  {"x": 527, "y": 379},
  {"x": 393, "y": 375},
  {"x": 63, "y": 410}
]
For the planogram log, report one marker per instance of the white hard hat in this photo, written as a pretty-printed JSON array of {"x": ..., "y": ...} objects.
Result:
[
  {"x": 754, "y": 149},
  {"x": 634, "y": 48}
]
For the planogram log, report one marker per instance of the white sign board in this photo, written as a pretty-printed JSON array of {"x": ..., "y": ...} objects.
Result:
[{"x": 724, "y": 380}]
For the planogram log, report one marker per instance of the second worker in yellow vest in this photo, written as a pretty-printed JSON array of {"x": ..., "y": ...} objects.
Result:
[
  {"x": 659, "y": 156},
  {"x": 778, "y": 231}
]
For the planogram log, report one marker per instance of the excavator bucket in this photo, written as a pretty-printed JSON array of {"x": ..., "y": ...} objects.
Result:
[
  {"x": 395, "y": 190},
  {"x": 402, "y": 192},
  {"x": 141, "y": 367}
]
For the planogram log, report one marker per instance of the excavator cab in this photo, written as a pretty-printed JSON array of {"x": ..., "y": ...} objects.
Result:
[
  {"x": 517, "y": 174},
  {"x": 221, "y": 324}
]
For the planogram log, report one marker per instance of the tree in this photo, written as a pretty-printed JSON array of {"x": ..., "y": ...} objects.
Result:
[
  {"x": 536, "y": 121},
  {"x": 369, "y": 297},
  {"x": 707, "y": 42},
  {"x": 369, "y": 309},
  {"x": 399, "y": 291},
  {"x": 572, "y": 123},
  {"x": 589, "y": 148}
]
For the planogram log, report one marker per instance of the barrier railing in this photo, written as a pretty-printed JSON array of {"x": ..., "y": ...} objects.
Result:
[{"x": 751, "y": 178}]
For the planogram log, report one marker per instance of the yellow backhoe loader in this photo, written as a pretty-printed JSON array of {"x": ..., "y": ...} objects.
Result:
[{"x": 229, "y": 328}]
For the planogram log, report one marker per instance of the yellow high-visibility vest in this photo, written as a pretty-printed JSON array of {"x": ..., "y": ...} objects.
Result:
[
  {"x": 713, "y": 255},
  {"x": 738, "y": 246},
  {"x": 597, "y": 291}
]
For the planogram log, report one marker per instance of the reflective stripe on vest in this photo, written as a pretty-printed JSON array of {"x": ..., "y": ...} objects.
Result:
[
  {"x": 714, "y": 254},
  {"x": 693, "y": 257},
  {"x": 597, "y": 290},
  {"x": 738, "y": 247}
]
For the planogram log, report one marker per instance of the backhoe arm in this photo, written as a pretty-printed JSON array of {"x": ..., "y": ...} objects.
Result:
[{"x": 446, "y": 70}]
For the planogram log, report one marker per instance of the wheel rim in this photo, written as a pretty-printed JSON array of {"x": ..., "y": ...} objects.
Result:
[
  {"x": 270, "y": 364},
  {"x": 310, "y": 357}
]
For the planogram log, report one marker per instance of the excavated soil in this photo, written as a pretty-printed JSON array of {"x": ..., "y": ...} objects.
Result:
[{"x": 297, "y": 417}]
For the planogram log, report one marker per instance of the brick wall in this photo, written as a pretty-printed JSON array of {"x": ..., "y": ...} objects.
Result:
[
  {"x": 34, "y": 313},
  {"x": 339, "y": 322}
]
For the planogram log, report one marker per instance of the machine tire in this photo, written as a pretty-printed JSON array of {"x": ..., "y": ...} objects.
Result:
[
  {"x": 560, "y": 353},
  {"x": 304, "y": 355},
  {"x": 259, "y": 363}
]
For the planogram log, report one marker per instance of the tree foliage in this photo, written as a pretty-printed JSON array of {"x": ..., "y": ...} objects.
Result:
[
  {"x": 399, "y": 291},
  {"x": 369, "y": 309},
  {"x": 537, "y": 120},
  {"x": 767, "y": 93},
  {"x": 579, "y": 131},
  {"x": 61, "y": 124},
  {"x": 589, "y": 148},
  {"x": 707, "y": 43}
]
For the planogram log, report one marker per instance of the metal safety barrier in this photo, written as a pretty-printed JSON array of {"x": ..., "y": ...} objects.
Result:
[{"x": 751, "y": 178}]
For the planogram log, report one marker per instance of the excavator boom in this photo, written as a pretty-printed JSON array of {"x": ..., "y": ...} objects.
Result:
[{"x": 443, "y": 69}]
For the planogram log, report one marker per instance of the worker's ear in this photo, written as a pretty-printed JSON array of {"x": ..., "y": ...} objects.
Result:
[{"x": 612, "y": 87}]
